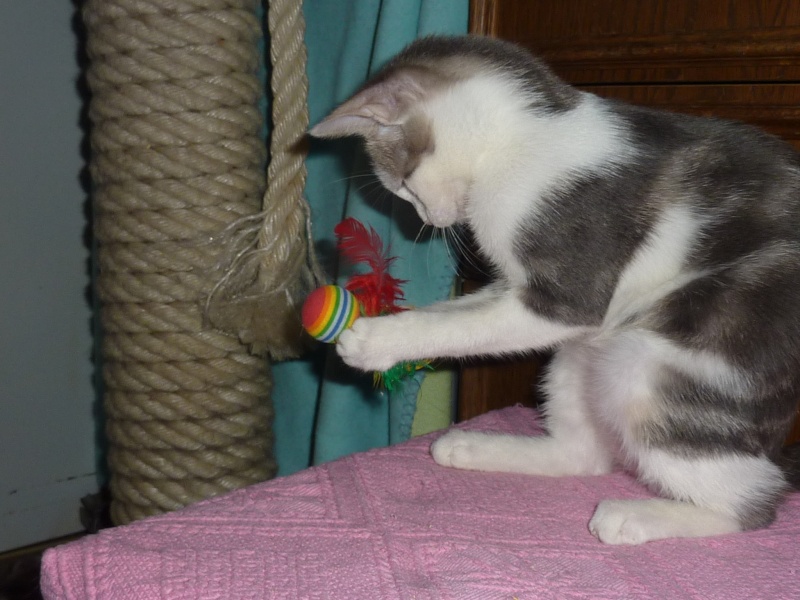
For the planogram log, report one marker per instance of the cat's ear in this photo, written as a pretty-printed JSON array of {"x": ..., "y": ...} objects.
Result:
[{"x": 382, "y": 103}]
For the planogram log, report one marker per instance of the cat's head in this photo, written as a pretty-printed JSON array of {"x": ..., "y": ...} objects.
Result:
[{"x": 437, "y": 111}]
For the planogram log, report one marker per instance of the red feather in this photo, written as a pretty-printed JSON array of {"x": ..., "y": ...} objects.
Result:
[
  {"x": 361, "y": 246},
  {"x": 377, "y": 291}
]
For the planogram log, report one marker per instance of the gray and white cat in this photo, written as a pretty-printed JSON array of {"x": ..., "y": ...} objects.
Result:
[{"x": 657, "y": 254}]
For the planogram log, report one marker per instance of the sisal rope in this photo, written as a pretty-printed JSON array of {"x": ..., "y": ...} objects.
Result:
[
  {"x": 273, "y": 266},
  {"x": 285, "y": 221},
  {"x": 177, "y": 160}
]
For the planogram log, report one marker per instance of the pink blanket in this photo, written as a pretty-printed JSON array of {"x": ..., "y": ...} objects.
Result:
[{"x": 390, "y": 523}]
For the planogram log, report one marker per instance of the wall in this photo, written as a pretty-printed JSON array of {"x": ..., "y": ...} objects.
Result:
[{"x": 47, "y": 428}]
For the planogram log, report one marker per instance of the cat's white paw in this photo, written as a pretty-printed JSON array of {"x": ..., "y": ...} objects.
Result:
[
  {"x": 458, "y": 449},
  {"x": 367, "y": 345},
  {"x": 639, "y": 521},
  {"x": 617, "y": 522}
]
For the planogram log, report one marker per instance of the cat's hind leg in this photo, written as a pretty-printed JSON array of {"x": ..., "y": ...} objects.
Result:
[
  {"x": 683, "y": 433},
  {"x": 707, "y": 496},
  {"x": 574, "y": 444}
]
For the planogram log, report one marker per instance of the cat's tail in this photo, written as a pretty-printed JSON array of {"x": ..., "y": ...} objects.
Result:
[{"x": 790, "y": 463}]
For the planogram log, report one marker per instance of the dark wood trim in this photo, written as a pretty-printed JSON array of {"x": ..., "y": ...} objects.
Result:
[
  {"x": 763, "y": 56},
  {"x": 483, "y": 17}
]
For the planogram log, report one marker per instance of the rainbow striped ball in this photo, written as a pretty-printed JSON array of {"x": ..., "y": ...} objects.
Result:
[{"x": 328, "y": 311}]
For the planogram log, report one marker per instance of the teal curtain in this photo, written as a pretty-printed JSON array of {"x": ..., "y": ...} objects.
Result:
[{"x": 323, "y": 409}]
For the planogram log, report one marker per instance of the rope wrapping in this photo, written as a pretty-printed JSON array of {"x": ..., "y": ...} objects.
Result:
[
  {"x": 177, "y": 161},
  {"x": 273, "y": 266}
]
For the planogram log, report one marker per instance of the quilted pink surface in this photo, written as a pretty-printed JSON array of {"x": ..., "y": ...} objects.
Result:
[{"x": 390, "y": 524}]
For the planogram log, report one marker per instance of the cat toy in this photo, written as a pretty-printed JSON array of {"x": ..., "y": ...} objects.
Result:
[
  {"x": 328, "y": 311},
  {"x": 331, "y": 309}
]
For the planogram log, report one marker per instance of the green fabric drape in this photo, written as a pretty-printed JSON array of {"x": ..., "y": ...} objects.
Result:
[{"x": 323, "y": 409}]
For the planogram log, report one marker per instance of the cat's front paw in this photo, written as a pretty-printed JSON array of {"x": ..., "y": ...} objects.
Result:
[{"x": 367, "y": 345}]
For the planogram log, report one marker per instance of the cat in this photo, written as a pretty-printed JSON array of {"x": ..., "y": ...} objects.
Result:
[{"x": 657, "y": 255}]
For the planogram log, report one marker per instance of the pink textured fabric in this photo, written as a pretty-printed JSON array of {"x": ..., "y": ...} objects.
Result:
[{"x": 391, "y": 524}]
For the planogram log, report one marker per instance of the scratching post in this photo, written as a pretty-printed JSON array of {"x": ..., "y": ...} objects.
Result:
[{"x": 177, "y": 167}]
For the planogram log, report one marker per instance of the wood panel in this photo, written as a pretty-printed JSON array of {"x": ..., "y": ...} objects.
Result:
[
  {"x": 489, "y": 384},
  {"x": 629, "y": 40}
]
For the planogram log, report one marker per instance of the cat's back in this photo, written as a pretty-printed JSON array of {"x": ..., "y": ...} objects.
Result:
[
  {"x": 728, "y": 169},
  {"x": 708, "y": 137}
]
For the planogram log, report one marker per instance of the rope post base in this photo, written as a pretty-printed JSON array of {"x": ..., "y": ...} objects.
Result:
[{"x": 177, "y": 157}]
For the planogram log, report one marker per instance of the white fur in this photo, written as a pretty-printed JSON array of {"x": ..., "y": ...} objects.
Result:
[
  {"x": 619, "y": 374},
  {"x": 709, "y": 494},
  {"x": 639, "y": 521},
  {"x": 622, "y": 370},
  {"x": 496, "y": 323},
  {"x": 724, "y": 484},
  {"x": 657, "y": 267},
  {"x": 538, "y": 455},
  {"x": 576, "y": 445},
  {"x": 479, "y": 125}
]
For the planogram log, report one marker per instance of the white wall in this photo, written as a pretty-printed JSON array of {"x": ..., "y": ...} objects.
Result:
[{"x": 47, "y": 428}]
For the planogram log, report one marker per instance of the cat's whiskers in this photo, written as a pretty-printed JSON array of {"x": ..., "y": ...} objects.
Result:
[
  {"x": 370, "y": 187},
  {"x": 354, "y": 176},
  {"x": 422, "y": 229},
  {"x": 427, "y": 234},
  {"x": 464, "y": 254},
  {"x": 378, "y": 195},
  {"x": 451, "y": 248},
  {"x": 371, "y": 191}
]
